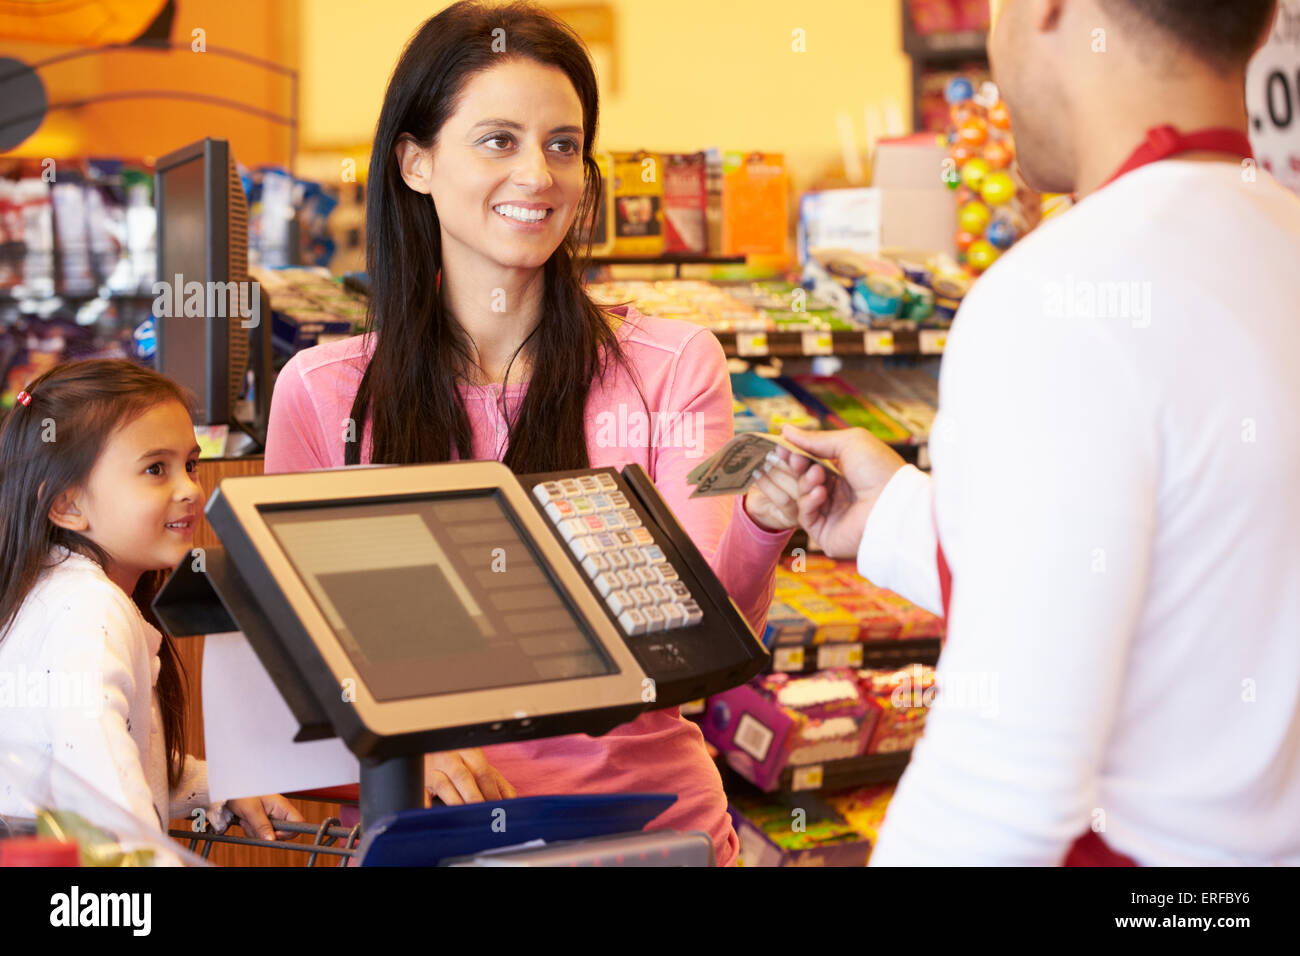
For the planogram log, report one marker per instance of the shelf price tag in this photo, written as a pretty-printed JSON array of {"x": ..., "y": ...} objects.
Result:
[
  {"x": 817, "y": 343},
  {"x": 878, "y": 342},
  {"x": 933, "y": 341},
  {"x": 751, "y": 343},
  {"x": 807, "y": 778},
  {"x": 787, "y": 659},
  {"x": 839, "y": 655}
]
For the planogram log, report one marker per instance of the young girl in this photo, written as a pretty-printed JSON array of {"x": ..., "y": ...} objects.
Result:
[
  {"x": 98, "y": 501},
  {"x": 482, "y": 343}
]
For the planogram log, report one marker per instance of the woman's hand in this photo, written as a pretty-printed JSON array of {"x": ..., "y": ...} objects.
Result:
[
  {"x": 255, "y": 815},
  {"x": 464, "y": 776},
  {"x": 773, "y": 500}
]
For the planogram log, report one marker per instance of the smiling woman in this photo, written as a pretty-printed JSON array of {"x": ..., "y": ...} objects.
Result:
[{"x": 481, "y": 342}]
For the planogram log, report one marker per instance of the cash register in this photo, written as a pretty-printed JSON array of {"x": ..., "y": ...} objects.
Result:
[{"x": 416, "y": 608}]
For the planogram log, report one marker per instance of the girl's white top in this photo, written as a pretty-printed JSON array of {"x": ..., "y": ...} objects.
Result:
[{"x": 78, "y": 670}]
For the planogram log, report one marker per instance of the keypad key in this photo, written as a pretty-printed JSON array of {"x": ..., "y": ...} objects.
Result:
[
  {"x": 629, "y": 518},
  {"x": 584, "y": 545},
  {"x": 619, "y": 601},
  {"x": 582, "y": 506},
  {"x": 607, "y": 583},
  {"x": 635, "y": 558},
  {"x": 679, "y": 590},
  {"x": 642, "y": 536},
  {"x": 570, "y": 487},
  {"x": 590, "y": 485},
  {"x": 660, "y": 593},
  {"x": 667, "y": 573},
  {"x": 647, "y": 576},
  {"x": 595, "y": 564},
  {"x": 548, "y": 491},
  {"x": 561, "y": 510},
  {"x": 641, "y": 596},
  {"x": 674, "y": 616},
  {"x": 601, "y": 503},
  {"x": 613, "y": 522},
  {"x": 693, "y": 613},
  {"x": 625, "y": 539},
  {"x": 654, "y": 617},
  {"x": 595, "y": 524},
  {"x": 654, "y": 554},
  {"x": 572, "y": 528},
  {"x": 617, "y": 559},
  {"x": 618, "y": 499},
  {"x": 629, "y": 578},
  {"x": 633, "y": 622},
  {"x": 606, "y": 481},
  {"x": 607, "y": 542}
]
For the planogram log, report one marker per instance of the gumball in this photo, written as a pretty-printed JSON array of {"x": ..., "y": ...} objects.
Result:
[
  {"x": 974, "y": 218},
  {"x": 962, "y": 113},
  {"x": 965, "y": 194},
  {"x": 959, "y": 90},
  {"x": 964, "y": 240},
  {"x": 973, "y": 133},
  {"x": 998, "y": 154},
  {"x": 1002, "y": 233},
  {"x": 973, "y": 173},
  {"x": 997, "y": 188},
  {"x": 981, "y": 255},
  {"x": 961, "y": 155},
  {"x": 999, "y": 116}
]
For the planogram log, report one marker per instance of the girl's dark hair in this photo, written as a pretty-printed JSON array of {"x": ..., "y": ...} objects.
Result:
[
  {"x": 84, "y": 402},
  {"x": 410, "y": 384}
]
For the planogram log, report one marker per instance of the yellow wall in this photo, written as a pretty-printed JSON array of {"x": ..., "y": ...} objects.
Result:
[{"x": 693, "y": 73}]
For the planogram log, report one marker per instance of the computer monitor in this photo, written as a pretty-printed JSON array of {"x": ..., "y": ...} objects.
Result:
[
  {"x": 208, "y": 342},
  {"x": 427, "y": 607}
]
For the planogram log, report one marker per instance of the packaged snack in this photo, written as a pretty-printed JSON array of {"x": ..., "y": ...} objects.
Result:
[
  {"x": 685, "y": 202},
  {"x": 780, "y": 834},
  {"x": 833, "y": 624},
  {"x": 902, "y": 699},
  {"x": 786, "y": 626},
  {"x": 638, "y": 204},
  {"x": 754, "y": 204}
]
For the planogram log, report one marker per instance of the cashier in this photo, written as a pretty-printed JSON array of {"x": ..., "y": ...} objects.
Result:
[
  {"x": 1112, "y": 523},
  {"x": 482, "y": 343}
]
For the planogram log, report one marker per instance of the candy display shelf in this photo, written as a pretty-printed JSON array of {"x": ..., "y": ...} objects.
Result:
[
  {"x": 881, "y": 655},
  {"x": 829, "y": 775},
  {"x": 786, "y": 344}
]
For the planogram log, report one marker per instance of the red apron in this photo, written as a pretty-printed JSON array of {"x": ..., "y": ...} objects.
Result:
[{"x": 1161, "y": 143}]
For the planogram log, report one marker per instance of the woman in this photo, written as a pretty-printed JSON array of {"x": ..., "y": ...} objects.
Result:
[{"x": 481, "y": 343}]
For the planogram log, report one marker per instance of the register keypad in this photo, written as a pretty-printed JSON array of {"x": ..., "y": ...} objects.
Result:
[{"x": 619, "y": 554}]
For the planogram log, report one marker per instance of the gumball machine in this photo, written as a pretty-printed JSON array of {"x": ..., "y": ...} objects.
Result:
[{"x": 991, "y": 203}]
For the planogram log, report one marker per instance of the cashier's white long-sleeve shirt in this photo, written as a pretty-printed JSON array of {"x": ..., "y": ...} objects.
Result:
[{"x": 1116, "y": 483}]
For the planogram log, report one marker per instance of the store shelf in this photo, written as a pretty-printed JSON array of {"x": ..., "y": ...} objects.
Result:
[
  {"x": 832, "y": 774},
  {"x": 941, "y": 46},
  {"x": 811, "y": 343},
  {"x": 884, "y": 655}
]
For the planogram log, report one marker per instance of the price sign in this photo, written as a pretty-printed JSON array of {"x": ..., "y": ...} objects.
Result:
[
  {"x": 787, "y": 659},
  {"x": 807, "y": 778},
  {"x": 933, "y": 341},
  {"x": 751, "y": 343},
  {"x": 839, "y": 655},
  {"x": 1273, "y": 98},
  {"x": 878, "y": 342},
  {"x": 817, "y": 343}
]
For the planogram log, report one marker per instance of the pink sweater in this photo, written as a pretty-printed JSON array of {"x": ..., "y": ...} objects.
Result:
[{"x": 683, "y": 376}]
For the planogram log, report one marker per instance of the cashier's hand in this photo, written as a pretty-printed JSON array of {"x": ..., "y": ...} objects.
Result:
[
  {"x": 773, "y": 500},
  {"x": 464, "y": 776},
  {"x": 834, "y": 510},
  {"x": 256, "y": 813}
]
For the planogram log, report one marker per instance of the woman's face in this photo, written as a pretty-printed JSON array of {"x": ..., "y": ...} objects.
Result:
[{"x": 506, "y": 172}]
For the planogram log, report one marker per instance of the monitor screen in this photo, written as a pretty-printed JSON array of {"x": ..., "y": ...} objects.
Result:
[
  {"x": 182, "y": 204},
  {"x": 436, "y": 594}
]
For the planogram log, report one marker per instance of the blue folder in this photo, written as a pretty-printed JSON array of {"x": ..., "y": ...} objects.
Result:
[{"x": 426, "y": 837}]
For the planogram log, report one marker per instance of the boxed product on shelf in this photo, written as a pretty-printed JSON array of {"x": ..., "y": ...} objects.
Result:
[
  {"x": 901, "y": 699},
  {"x": 638, "y": 206},
  {"x": 769, "y": 402},
  {"x": 844, "y": 407},
  {"x": 777, "y": 721},
  {"x": 787, "y": 626},
  {"x": 754, "y": 204},
  {"x": 864, "y": 808},
  {"x": 685, "y": 200},
  {"x": 774, "y": 834},
  {"x": 831, "y": 623}
]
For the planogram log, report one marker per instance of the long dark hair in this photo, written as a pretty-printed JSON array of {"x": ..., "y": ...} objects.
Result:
[
  {"x": 410, "y": 383},
  {"x": 86, "y": 401}
]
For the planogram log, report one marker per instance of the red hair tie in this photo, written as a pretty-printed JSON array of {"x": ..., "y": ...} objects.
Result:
[{"x": 24, "y": 398}]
